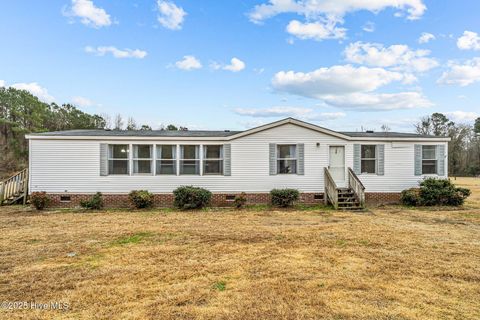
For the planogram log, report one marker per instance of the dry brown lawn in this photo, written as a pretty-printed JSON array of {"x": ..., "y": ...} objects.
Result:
[{"x": 390, "y": 263}]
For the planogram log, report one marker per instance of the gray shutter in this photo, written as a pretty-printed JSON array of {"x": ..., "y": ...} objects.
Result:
[
  {"x": 356, "y": 159},
  {"x": 103, "y": 159},
  {"x": 227, "y": 160},
  {"x": 301, "y": 159},
  {"x": 440, "y": 155},
  {"x": 273, "y": 158},
  {"x": 380, "y": 149},
  {"x": 418, "y": 159}
]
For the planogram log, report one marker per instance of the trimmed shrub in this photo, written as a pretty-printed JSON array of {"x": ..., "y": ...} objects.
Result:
[
  {"x": 240, "y": 200},
  {"x": 284, "y": 197},
  {"x": 95, "y": 203},
  {"x": 435, "y": 192},
  {"x": 410, "y": 197},
  {"x": 40, "y": 200},
  {"x": 189, "y": 197},
  {"x": 141, "y": 199},
  {"x": 441, "y": 192}
]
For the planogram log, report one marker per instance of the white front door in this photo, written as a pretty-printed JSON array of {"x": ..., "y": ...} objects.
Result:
[{"x": 337, "y": 164}]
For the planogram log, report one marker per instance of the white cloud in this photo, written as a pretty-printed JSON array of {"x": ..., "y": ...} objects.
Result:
[
  {"x": 89, "y": 14},
  {"x": 315, "y": 30},
  {"x": 426, "y": 37},
  {"x": 337, "y": 8},
  {"x": 334, "y": 80},
  {"x": 188, "y": 63},
  {"x": 294, "y": 112},
  {"x": 82, "y": 102},
  {"x": 235, "y": 65},
  {"x": 350, "y": 87},
  {"x": 461, "y": 74},
  {"x": 171, "y": 16},
  {"x": 369, "y": 26},
  {"x": 462, "y": 116},
  {"x": 322, "y": 13},
  {"x": 117, "y": 53},
  {"x": 398, "y": 57},
  {"x": 2, "y": 83},
  {"x": 378, "y": 101},
  {"x": 35, "y": 89},
  {"x": 469, "y": 41}
]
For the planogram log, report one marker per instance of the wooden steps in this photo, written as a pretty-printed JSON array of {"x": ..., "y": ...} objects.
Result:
[
  {"x": 347, "y": 200},
  {"x": 14, "y": 189}
]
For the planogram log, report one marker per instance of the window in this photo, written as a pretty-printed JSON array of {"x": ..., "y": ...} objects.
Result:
[
  {"x": 166, "y": 159},
  {"x": 142, "y": 159},
  {"x": 213, "y": 159},
  {"x": 368, "y": 159},
  {"x": 429, "y": 160},
  {"x": 287, "y": 159},
  {"x": 189, "y": 160},
  {"x": 118, "y": 159}
]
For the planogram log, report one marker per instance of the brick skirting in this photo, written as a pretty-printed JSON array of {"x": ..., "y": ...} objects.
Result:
[
  {"x": 382, "y": 197},
  {"x": 69, "y": 200}
]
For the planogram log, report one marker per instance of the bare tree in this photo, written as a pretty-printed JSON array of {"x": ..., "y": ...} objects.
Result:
[
  {"x": 118, "y": 123},
  {"x": 131, "y": 124},
  {"x": 385, "y": 128}
]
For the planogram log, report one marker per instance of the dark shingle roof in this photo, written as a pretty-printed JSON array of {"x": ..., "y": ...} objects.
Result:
[
  {"x": 386, "y": 135},
  {"x": 137, "y": 133}
]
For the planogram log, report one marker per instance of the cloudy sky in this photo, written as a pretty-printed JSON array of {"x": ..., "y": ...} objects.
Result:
[{"x": 210, "y": 64}]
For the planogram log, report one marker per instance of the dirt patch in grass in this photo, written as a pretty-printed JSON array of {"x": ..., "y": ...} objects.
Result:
[{"x": 259, "y": 263}]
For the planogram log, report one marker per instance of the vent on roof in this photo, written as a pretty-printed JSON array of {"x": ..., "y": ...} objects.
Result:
[
  {"x": 369, "y": 131},
  {"x": 107, "y": 129},
  {"x": 227, "y": 130}
]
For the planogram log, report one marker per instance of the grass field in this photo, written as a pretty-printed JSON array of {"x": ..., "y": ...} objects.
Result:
[{"x": 389, "y": 263}]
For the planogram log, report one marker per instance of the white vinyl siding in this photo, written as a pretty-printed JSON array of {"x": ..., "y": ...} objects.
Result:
[{"x": 77, "y": 170}]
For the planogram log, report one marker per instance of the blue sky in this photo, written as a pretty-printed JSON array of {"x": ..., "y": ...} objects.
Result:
[{"x": 237, "y": 64}]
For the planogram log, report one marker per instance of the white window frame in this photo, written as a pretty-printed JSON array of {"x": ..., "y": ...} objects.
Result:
[
  {"x": 142, "y": 159},
  {"x": 175, "y": 154},
  {"x": 199, "y": 159},
  {"x": 127, "y": 159},
  {"x": 369, "y": 159},
  {"x": 280, "y": 159},
  {"x": 434, "y": 158},
  {"x": 204, "y": 159}
]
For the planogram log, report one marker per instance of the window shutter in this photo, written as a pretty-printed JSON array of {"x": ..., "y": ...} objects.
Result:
[
  {"x": 301, "y": 159},
  {"x": 418, "y": 159},
  {"x": 380, "y": 149},
  {"x": 440, "y": 155},
  {"x": 356, "y": 159},
  {"x": 103, "y": 159},
  {"x": 227, "y": 162},
  {"x": 273, "y": 159}
]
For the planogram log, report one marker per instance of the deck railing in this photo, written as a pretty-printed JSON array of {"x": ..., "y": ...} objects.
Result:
[
  {"x": 14, "y": 187},
  {"x": 331, "y": 193},
  {"x": 356, "y": 185}
]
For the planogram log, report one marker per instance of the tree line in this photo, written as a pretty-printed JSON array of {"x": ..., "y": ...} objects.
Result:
[{"x": 22, "y": 113}]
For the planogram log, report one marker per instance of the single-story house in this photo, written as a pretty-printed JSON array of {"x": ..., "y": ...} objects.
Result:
[{"x": 322, "y": 164}]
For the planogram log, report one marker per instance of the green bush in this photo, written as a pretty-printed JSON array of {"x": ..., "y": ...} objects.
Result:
[
  {"x": 240, "y": 200},
  {"x": 284, "y": 197},
  {"x": 40, "y": 200},
  {"x": 95, "y": 203},
  {"x": 441, "y": 192},
  {"x": 189, "y": 197},
  {"x": 435, "y": 192},
  {"x": 410, "y": 197},
  {"x": 141, "y": 199}
]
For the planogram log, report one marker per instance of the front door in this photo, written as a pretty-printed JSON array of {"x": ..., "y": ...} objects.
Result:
[{"x": 337, "y": 164}]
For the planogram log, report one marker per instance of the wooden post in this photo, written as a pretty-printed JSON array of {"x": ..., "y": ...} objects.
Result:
[
  {"x": 25, "y": 186},
  {"x": 2, "y": 188}
]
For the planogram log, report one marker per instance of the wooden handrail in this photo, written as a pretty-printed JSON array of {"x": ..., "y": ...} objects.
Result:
[
  {"x": 331, "y": 192},
  {"x": 15, "y": 186},
  {"x": 357, "y": 186}
]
